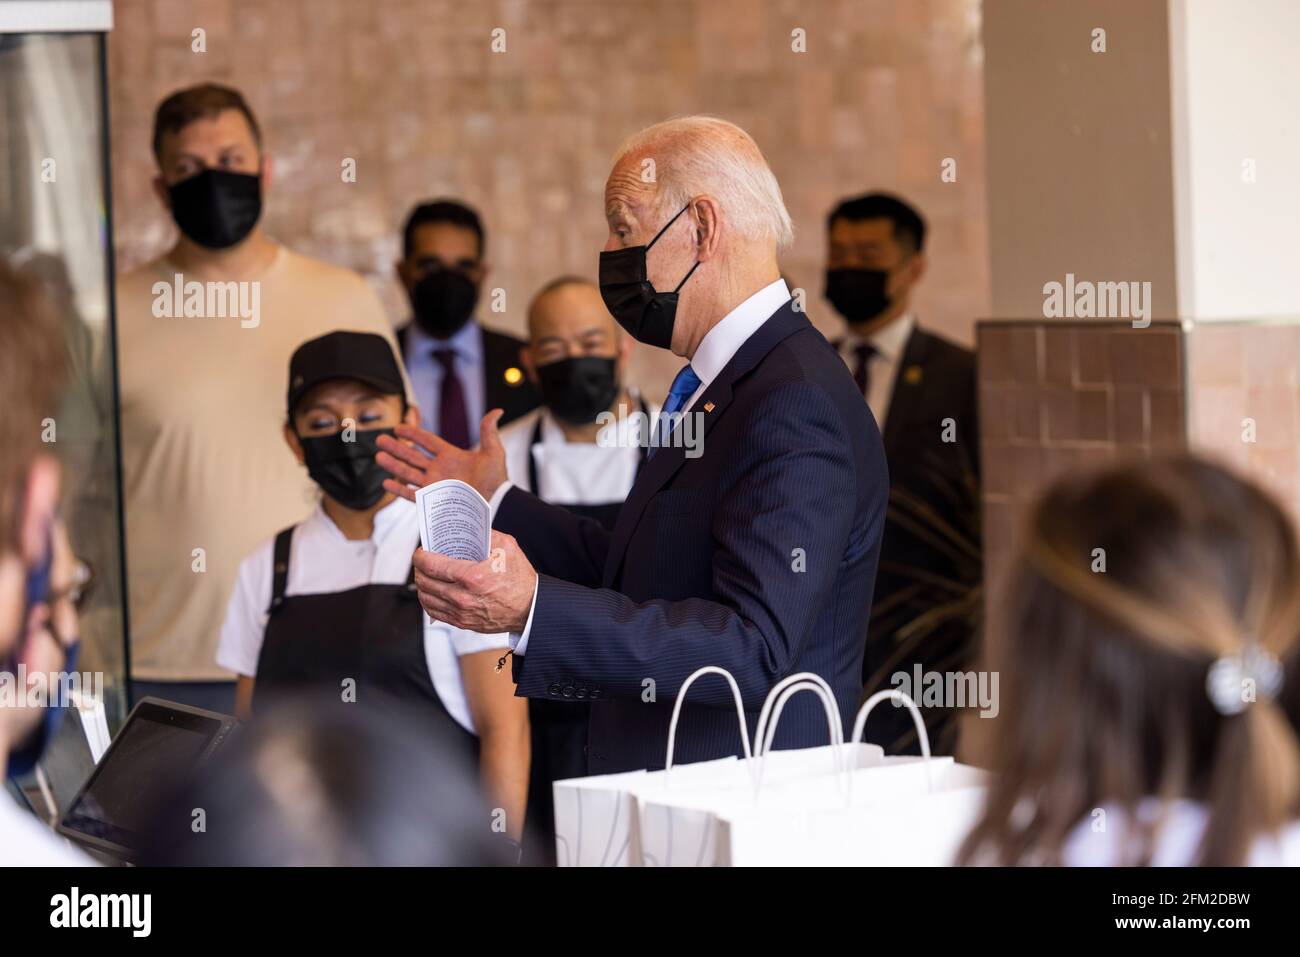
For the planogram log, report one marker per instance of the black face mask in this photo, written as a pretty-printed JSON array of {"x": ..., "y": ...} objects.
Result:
[
  {"x": 444, "y": 300},
  {"x": 580, "y": 388},
  {"x": 858, "y": 294},
  {"x": 217, "y": 208},
  {"x": 346, "y": 471},
  {"x": 647, "y": 315}
]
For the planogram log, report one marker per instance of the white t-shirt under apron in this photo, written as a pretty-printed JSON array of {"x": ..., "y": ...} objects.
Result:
[{"x": 322, "y": 560}]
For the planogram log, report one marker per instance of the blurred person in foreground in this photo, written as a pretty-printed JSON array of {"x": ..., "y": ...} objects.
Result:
[
  {"x": 339, "y": 787},
  {"x": 1150, "y": 615},
  {"x": 38, "y": 623}
]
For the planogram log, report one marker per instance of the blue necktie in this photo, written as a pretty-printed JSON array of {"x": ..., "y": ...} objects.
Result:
[{"x": 683, "y": 388}]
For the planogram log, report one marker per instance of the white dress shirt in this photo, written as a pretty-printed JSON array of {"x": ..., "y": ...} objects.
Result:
[
  {"x": 713, "y": 353},
  {"x": 725, "y": 339},
  {"x": 322, "y": 560},
  {"x": 882, "y": 369}
]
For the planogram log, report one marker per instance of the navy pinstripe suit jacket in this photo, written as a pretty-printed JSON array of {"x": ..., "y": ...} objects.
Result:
[{"x": 759, "y": 555}]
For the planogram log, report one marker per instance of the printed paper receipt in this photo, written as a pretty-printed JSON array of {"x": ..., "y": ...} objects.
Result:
[{"x": 455, "y": 520}]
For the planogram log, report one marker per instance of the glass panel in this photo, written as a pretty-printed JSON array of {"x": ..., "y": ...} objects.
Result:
[{"x": 52, "y": 223}]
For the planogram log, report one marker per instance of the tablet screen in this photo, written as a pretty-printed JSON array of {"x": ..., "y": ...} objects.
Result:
[{"x": 157, "y": 745}]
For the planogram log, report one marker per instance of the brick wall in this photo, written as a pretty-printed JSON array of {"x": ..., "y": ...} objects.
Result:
[{"x": 1055, "y": 397}]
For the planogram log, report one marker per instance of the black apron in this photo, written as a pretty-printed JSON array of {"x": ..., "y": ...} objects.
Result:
[
  {"x": 559, "y": 728},
  {"x": 372, "y": 635}
]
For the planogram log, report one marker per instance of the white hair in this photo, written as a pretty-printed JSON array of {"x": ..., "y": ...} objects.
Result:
[{"x": 705, "y": 154}]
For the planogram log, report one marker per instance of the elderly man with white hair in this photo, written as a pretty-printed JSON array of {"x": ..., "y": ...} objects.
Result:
[{"x": 750, "y": 537}]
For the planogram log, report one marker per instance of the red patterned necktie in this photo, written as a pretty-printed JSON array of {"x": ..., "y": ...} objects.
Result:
[{"x": 453, "y": 416}]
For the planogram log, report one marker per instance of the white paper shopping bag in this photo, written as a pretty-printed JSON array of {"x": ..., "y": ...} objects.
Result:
[
  {"x": 662, "y": 839},
  {"x": 902, "y": 812},
  {"x": 676, "y": 823},
  {"x": 667, "y": 818},
  {"x": 595, "y": 817},
  {"x": 920, "y": 830}
]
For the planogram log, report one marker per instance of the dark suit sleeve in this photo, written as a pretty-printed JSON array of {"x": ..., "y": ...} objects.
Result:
[
  {"x": 791, "y": 492},
  {"x": 556, "y": 541}
]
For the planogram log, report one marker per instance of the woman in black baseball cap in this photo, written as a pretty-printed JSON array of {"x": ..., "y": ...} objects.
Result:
[{"x": 328, "y": 606}]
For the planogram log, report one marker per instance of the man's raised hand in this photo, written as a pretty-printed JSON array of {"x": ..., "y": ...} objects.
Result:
[{"x": 418, "y": 458}]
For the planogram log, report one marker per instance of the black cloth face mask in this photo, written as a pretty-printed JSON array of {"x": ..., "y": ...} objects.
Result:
[
  {"x": 579, "y": 388},
  {"x": 647, "y": 315},
  {"x": 217, "y": 208},
  {"x": 444, "y": 300},
  {"x": 858, "y": 294},
  {"x": 346, "y": 471}
]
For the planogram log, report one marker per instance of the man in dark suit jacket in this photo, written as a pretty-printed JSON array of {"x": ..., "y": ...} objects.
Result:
[
  {"x": 458, "y": 368},
  {"x": 921, "y": 389},
  {"x": 750, "y": 537}
]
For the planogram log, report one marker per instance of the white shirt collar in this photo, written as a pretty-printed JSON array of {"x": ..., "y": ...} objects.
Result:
[
  {"x": 394, "y": 514},
  {"x": 723, "y": 341},
  {"x": 552, "y": 432},
  {"x": 467, "y": 343},
  {"x": 889, "y": 341}
]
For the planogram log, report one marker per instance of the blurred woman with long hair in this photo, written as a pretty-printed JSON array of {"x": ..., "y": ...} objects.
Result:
[{"x": 1141, "y": 650}]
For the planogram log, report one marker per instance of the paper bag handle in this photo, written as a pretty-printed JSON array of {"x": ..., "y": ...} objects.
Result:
[
  {"x": 860, "y": 724},
  {"x": 681, "y": 696},
  {"x": 765, "y": 713},
  {"x": 832, "y": 713},
  {"x": 893, "y": 694}
]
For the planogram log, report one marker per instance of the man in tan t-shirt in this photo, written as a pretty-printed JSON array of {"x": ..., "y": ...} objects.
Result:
[{"x": 204, "y": 339}]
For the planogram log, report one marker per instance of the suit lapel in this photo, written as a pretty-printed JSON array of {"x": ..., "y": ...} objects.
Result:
[
  {"x": 515, "y": 395},
  {"x": 661, "y": 466},
  {"x": 494, "y": 364},
  {"x": 907, "y": 381}
]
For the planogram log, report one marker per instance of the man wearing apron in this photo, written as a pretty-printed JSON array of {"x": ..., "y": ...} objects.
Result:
[
  {"x": 327, "y": 607},
  {"x": 581, "y": 450}
]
